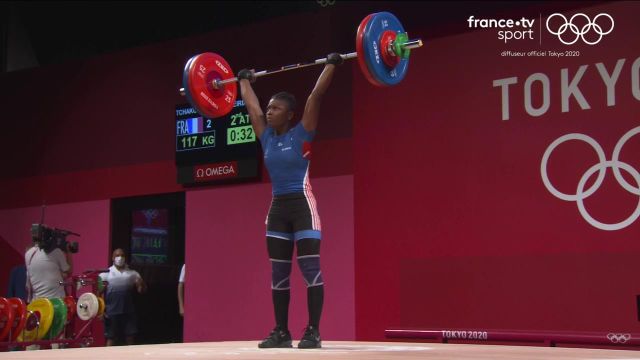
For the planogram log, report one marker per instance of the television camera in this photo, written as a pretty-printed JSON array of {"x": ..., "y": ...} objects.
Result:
[{"x": 50, "y": 238}]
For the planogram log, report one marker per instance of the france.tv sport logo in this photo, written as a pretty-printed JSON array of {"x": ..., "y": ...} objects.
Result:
[
  {"x": 520, "y": 29},
  {"x": 580, "y": 26}
]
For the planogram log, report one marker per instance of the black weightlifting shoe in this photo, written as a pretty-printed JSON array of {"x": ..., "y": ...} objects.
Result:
[
  {"x": 278, "y": 338},
  {"x": 310, "y": 339}
]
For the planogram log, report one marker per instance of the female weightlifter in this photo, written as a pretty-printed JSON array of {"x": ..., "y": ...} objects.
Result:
[{"x": 293, "y": 219}]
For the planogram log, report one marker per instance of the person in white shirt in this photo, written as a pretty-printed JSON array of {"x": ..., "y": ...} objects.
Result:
[
  {"x": 45, "y": 269},
  {"x": 119, "y": 316}
]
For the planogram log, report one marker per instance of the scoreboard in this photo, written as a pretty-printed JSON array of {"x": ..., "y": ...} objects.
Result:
[{"x": 210, "y": 150}]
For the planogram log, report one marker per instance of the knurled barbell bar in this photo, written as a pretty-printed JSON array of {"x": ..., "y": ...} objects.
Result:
[{"x": 382, "y": 48}]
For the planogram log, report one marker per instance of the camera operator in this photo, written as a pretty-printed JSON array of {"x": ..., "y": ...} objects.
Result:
[{"x": 46, "y": 267}]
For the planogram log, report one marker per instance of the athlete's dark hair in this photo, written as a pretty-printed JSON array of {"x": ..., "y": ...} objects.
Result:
[{"x": 286, "y": 97}]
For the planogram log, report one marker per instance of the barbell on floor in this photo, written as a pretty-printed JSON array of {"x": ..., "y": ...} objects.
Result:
[{"x": 382, "y": 49}]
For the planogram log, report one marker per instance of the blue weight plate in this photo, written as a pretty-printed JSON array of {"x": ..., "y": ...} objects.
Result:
[{"x": 377, "y": 25}]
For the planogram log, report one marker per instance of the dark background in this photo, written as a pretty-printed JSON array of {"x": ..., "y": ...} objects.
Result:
[{"x": 38, "y": 33}]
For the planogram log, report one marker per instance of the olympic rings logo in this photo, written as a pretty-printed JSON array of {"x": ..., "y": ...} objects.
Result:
[
  {"x": 601, "y": 167},
  {"x": 325, "y": 3},
  {"x": 580, "y": 32},
  {"x": 150, "y": 214},
  {"x": 618, "y": 338}
]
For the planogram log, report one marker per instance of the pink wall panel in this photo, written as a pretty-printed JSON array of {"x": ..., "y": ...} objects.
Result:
[
  {"x": 573, "y": 292},
  {"x": 89, "y": 219},
  {"x": 457, "y": 192},
  {"x": 228, "y": 295}
]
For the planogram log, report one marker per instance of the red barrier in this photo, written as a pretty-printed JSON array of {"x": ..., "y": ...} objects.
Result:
[{"x": 548, "y": 337}]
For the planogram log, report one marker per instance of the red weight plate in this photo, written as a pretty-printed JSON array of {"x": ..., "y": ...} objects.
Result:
[
  {"x": 19, "y": 317},
  {"x": 389, "y": 58},
  {"x": 207, "y": 100},
  {"x": 71, "y": 308},
  {"x": 360, "y": 50},
  {"x": 6, "y": 318}
]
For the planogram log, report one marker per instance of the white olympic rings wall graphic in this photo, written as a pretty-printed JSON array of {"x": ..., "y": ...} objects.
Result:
[
  {"x": 601, "y": 167},
  {"x": 580, "y": 32},
  {"x": 618, "y": 338}
]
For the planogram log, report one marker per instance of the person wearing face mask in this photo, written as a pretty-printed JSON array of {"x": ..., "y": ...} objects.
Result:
[
  {"x": 293, "y": 220},
  {"x": 119, "y": 316}
]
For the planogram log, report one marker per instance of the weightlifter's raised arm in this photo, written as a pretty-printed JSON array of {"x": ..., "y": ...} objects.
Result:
[
  {"x": 245, "y": 78},
  {"x": 312, "y": 107}
]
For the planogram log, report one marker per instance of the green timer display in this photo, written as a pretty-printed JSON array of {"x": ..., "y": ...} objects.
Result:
[
  {"x": 241, "y": 134},
  {"x": 240, "y": 130}
]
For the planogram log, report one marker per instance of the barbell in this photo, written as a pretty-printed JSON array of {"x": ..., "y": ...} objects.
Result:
[{"x": 382, "y": 48}]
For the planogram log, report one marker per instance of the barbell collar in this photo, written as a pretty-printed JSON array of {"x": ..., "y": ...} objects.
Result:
[{"x": 412, "y": 44}]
